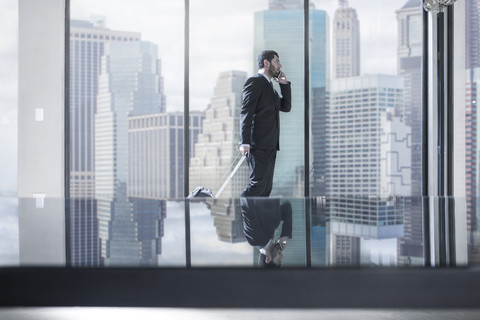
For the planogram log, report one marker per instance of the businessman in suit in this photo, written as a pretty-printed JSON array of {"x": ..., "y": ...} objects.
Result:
[
  {"x": 260, "y": 122},
  {"x": 261, "y": 217}
]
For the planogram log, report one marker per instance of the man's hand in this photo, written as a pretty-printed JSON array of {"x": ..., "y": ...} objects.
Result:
[
  {"x": 282, "y": 78},
  {"x": 283, "y": 242},
  {"x": 245, "y": 151}
]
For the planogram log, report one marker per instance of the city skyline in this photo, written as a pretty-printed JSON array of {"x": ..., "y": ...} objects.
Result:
[
  {"x": 121, "y": 206},
  {"x": 108, "y": 219},
  {"x": 235, "y": 38},
  {"x": 236, "y": 35}
]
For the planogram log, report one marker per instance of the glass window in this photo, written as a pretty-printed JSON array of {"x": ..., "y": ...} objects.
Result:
[
  {"x": 224, "y": 45},
  {"x": 367, "y": 56},
  {"x": 124, "y": 73}
]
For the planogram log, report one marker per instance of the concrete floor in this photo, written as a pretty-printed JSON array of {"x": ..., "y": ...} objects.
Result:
[{"x": 89, "y": 313}]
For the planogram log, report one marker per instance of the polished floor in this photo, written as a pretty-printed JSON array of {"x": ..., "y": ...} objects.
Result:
[{"x": 233, "y": 314}]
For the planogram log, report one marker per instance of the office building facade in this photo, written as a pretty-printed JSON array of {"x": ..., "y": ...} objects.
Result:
[
  {"x": 346, "y": 42},
  {"x": 156, "y": 160},
  {"x": 87, "y": 43},
  {"x": 409, "y": 66},
  {"x": 129, "y": 84},
  {"x": 216, "y": 151},
  {"x": 368, "y": 158}
]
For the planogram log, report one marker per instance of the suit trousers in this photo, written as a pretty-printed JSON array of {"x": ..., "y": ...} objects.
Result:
[{"x": 262, "y": 165}]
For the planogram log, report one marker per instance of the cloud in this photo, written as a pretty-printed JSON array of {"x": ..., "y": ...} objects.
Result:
[
  {"x": 206, "y": 248},
  {"x": 9, "y": 21},
  {"x": 9, "y": 233},
  {"x": 8, "y": 95},
  {"x": 221, "y": 36}
]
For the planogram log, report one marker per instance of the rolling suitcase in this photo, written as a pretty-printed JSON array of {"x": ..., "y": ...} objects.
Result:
[{"x": 202, "y": 192}]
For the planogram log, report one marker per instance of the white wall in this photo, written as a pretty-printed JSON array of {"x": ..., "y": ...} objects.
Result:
[
  {"x": 41, "y": 86},
  {"x": 41, "y": 137}
]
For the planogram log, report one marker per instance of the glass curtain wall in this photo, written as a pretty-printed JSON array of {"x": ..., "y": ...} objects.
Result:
[
  {"x": 225, "y": 39},
  {"x": 126, "y": 131},
  {"x": 366, "y": 132},
  {"x": 471, "y": 133}
]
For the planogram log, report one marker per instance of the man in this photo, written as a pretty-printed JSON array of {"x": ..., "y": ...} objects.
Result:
[
  {"x": 261, "y": 217},
  {"x": 260, "y": 122}
]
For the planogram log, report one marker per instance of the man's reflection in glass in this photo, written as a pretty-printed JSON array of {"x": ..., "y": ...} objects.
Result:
[{"x": 261, "y": 216}]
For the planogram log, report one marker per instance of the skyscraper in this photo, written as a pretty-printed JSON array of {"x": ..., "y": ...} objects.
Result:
[
  {"x": 409, "y": 65},
  {"x": 345, "y": 250},
  {"x": 472, "y": 34},
  {"x": 129, "y": 84},
  {"x": 217, "y": 145},
  {"x": 346, "y": 42},
  {"x": 472, "y": 175},
  {"x": 227, "y": 219},
  {"x": 87, "y": 42},
  {"x": 471, "y": 149},
  {"x": 155, "y": 144},
  {"x": 368, "y": 157},
  {"x": 149, "y": 216},
  {"x": 369, "y": 146},
  {"x": 280, "y": 28}
]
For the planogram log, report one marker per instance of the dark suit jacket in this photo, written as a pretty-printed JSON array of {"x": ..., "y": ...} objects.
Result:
[
  {"x": 259, "y": 117},
  {"x": 261, "y": 216}
]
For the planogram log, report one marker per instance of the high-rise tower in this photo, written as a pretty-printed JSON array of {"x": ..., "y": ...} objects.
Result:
[
  {"x": 280, "y": 28},
  {"x": 87, "y": 43},
  {"x": 155, "y": 151},
  {"x": 129, "y": 84},
  {"x": 368, "y": 156},
  {"x": 472, "y": 34},
  {"x": 472, "y": 134},
  {"x": 346, "y": 42},
  {"x": 409, "y": 66},
  {"x": 217, "y": 145}
]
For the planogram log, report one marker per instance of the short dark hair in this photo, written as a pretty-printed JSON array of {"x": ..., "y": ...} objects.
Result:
[
  {"x": 270, "y": 265},
  {"x": 265, "y": 54}
]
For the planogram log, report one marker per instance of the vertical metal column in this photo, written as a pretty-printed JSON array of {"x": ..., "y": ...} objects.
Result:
[
  {"x": 186, "y": 101},
  {"x": 441, "y": 133},
  {"x": 306, "y": 171},
  {"x": 186, "y": 135},
  {"x": 306, "y": 57},
  {"x": 441, "y": 212},
  {"x": 66, "y": 123},
  {"x": 450, "y": 218},
  {"x": 425, "y": 145}
]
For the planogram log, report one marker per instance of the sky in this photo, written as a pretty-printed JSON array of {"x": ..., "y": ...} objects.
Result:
[
  {"x": 9, "y": 232},
  {"x": 206, "y": 248},
  {"x": 8, "y": 95},
  {"x": 221, "y": 39}
]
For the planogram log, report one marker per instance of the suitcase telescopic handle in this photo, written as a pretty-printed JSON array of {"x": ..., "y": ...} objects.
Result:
[{"x": 225, "y": 184}]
